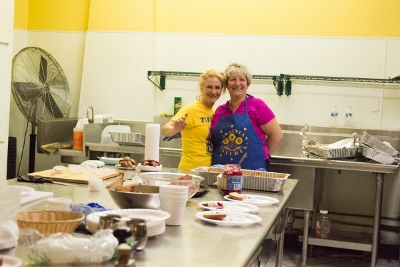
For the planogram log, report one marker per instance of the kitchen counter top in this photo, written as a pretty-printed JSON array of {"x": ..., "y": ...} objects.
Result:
[
  {"x": 348, "y": 164},
  {"x": 194, "y": 243}
]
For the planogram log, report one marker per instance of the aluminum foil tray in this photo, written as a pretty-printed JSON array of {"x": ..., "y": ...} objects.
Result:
[
  {"x": 255, "y": 180},
  {"x": 378, "y": 156},
  {"x": 128, "y": 139},
  {"x": 376, "y": 144},
  {"x": 333, "y": 153}
]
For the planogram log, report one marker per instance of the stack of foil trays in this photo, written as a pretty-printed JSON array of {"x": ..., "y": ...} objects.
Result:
[
  {"x": 378, "y": 151},
  {"x": 346, "y": 148}
]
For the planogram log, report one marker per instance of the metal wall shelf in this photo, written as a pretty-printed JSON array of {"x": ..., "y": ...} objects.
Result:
[{"x": 282, "y": 82}]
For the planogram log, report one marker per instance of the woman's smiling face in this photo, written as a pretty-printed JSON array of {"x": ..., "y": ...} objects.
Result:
[
  {"x": 211, "y": 91},
  {"x": 237, "y": 85}
]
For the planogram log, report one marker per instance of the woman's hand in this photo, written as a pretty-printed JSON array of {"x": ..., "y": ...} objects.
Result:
[
  {"x": 180, "y": 124},
  {"x": 174, "y": 126}
]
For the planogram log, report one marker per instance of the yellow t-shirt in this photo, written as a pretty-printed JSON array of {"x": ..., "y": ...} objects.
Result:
[{"x": 194, "y": 136}]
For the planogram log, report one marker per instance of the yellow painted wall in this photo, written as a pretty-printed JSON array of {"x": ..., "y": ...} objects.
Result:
[
  {"x": 52, "y": 15},
  {"x": 121, "y": 15},
  {"x": 21, "y": 14},
  {"x": 350, "y": 18}
]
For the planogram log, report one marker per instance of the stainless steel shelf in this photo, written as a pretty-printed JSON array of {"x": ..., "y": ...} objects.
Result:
[
  {"x": 281, "y": 82},
  {"x": 344, "y": 240}
]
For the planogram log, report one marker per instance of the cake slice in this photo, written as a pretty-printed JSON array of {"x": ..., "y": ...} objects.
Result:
[{"x": 236, "y": 196}]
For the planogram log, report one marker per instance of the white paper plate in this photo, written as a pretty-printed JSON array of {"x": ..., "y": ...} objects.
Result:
[
  {"x": 232, "y": 218},
  {"x": 126, "y": 168},
  {"x": 149, "y": 168},
  {"x": 110, "y": 161},
  {"x": 9, "y": 261},
  {"x": 255, "y": 200},
  {"x": 231, "y": 206},
  {"x": 155, "y": 219},
  {"x": 25, "y": 191}
]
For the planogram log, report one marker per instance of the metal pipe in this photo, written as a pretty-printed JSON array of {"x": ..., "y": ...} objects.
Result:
[{"x": 90, "y": 120}]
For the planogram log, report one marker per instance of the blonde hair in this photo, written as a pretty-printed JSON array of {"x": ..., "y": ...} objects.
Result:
[
  {"x": 210, "y": 74},
  {"x": 236, "y": 68}
]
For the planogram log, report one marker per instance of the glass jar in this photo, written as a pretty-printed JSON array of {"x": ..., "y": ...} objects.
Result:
[
  {"x": 232, "y": 179},
  {"x": 322, "y": 227}
]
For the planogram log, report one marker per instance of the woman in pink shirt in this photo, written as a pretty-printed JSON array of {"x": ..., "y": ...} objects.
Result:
[{"x": 244, "y": 128}]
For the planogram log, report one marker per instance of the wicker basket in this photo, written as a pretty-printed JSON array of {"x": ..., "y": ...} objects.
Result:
[{"x": 50, "y": 222}]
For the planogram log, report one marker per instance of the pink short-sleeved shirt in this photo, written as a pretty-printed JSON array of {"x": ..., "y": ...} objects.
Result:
[{"x": 259, "y": 114}]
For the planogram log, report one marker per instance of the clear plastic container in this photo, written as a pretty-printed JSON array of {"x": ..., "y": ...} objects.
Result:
[{"x": 322, "y": 227}]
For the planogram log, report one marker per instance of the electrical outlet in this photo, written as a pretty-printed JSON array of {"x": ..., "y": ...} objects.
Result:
[{"x": 374, "y": 105}]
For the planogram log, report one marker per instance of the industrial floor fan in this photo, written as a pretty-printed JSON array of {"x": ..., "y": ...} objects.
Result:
[{"x": 40, "y": 90}]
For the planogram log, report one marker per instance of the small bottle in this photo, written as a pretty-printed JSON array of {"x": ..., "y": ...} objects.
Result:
[
  {"x": 322, "y": 227},
  {"x": 77, "y": 139},
  {"x": 348, "y": 120},
  {"x": 333, "y": 118}
]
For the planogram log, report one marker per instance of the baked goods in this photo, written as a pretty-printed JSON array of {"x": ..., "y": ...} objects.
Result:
[
  {"x": 214, "y": 216},
  {"x": 215, "y": 205},
  {"x": 236, "y": 196},
  {"x": 127, "y": 162},
  {"x": 150, "y": 162},
  {"x": 127, "y": 188}
]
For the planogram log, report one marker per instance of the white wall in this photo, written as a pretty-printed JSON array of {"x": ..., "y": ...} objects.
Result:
[{"x": 117, "y": 71}]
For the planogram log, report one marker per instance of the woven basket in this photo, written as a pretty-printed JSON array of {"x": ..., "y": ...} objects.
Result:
[{"x": 50, "y": 222}]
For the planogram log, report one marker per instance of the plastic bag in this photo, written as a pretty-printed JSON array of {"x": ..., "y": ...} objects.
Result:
[
  {"x": 63, "y": 248},
  {"x": 9, "y": 205}
]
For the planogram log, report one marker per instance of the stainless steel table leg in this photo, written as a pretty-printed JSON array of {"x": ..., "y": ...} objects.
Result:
[
  {"x": 281, "y": 240},
  {"x": 305, "y": 237},
  {"x": 377, "y": 217}
]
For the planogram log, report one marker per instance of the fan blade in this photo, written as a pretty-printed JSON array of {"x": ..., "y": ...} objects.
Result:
[
  {"x": 52, "y": 107},
  {"x": 27, "y": 90},
  {"x": 43, "y": 69}
]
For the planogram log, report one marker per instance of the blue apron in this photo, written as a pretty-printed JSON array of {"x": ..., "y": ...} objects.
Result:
[{"x": 235, "y": 136}]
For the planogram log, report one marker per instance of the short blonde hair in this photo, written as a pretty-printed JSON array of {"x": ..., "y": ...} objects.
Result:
[{"x": 236, "y": 68}]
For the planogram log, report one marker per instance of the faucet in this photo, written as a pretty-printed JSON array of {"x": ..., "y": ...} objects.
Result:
[{"x": 90, "y": 120}]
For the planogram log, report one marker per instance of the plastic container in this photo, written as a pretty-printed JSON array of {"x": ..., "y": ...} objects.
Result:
[
  {"x": 333, "y": 118},
  {"x": 322, "y": 227},
  {"x": 232, "y": 179},
  {"x": 177, "y": 104},
  {"x": 77, "y": 139}
]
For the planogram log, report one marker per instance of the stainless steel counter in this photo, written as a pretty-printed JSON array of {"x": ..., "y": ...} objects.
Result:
[
  {"x": 317, "y": 165},
  {"x": 194, "y": 243}
]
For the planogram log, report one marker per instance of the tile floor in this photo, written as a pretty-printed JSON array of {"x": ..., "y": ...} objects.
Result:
[{"x": 326, "y": 257}]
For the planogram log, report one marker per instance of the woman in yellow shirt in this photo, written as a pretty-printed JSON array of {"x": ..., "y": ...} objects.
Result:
[{"x": 193, "y": 122}]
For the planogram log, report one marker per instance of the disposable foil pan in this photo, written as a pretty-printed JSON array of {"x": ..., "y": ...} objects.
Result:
[
  {"x": 128, "y": 139},
  {"x": 378, "y": 156},
  {"x": 333, "y": 153},
  {"x": 255, "y": 180},
  {"x": 376, "y": 144}
]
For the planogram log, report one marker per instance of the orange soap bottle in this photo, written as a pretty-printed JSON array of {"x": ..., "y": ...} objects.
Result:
[{"x": 77, "y": 139}]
